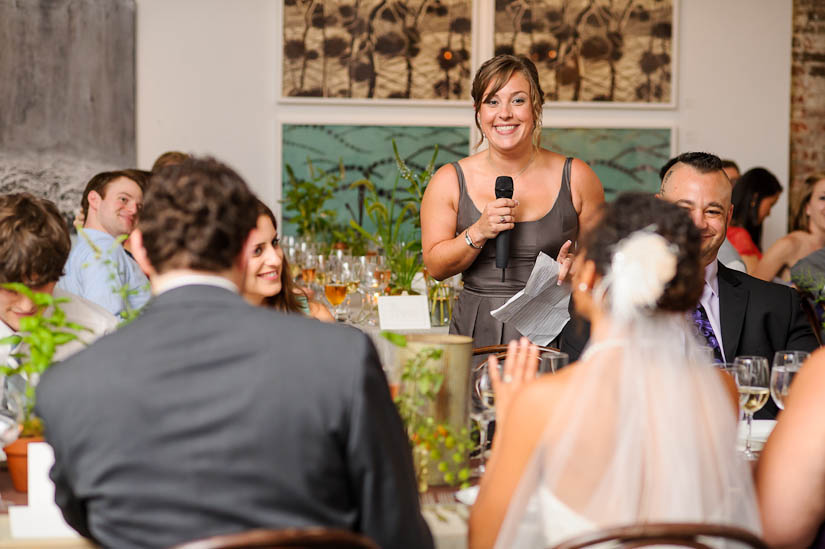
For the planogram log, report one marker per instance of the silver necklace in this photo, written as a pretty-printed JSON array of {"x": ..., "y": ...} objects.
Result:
[{"x": 521, "y": 171}]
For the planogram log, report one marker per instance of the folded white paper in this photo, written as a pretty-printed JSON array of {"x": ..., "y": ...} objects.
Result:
[
  {"x": 38, "y": 522},
  {"x": 41, "y": 518},
  {"x": 539, "y": 311},
  {"x": 403, "y": 312}
]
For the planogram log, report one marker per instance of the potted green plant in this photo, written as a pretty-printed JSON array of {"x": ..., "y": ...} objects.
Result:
[
  {"x": 392, "y": 218},
  {"x": 433, "y": 402},
  {"x": 38, "y": 338}
]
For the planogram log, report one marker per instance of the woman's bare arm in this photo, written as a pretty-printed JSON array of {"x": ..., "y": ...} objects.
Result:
[
  {"x": 775, "y": 258},
  {"x": 790, "y": 476},
  {"x": 446, "y": 254},
  {"x": 587, "y": 193}
]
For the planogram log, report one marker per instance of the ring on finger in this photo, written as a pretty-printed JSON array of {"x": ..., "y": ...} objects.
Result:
[
  {"x": 507, "y": 378},
  {"x": 501, "y": 219}
]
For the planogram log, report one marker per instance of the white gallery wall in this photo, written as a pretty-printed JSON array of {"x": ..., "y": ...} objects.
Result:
[{"x": 207, "y": 83}]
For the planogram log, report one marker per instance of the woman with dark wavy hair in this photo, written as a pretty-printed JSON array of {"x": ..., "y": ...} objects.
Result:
[
  {"x": 754, "y": 194},
  {"x": 268, "y": 281}
]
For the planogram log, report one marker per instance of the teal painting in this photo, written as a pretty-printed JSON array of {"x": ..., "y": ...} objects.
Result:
[
  {"x": 625, "y": 159},
  {"x": 365, "y": 153}
]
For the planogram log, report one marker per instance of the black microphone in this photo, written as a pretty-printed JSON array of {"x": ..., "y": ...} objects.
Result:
[{"x": 504, "y": 189}]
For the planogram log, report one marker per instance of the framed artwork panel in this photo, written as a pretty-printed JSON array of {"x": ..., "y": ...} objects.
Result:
[
  {"x": 376, "y": 50},
  {"x": 625, "y": 159},
  {"x": 594, "y": 52},
  {"x": 365, "y": 152}
]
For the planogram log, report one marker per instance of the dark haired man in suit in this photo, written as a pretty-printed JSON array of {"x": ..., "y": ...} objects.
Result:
[{"x": 207, "y": 415}]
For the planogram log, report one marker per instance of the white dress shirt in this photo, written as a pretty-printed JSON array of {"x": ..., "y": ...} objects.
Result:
[{"x": 710, "y": 301}]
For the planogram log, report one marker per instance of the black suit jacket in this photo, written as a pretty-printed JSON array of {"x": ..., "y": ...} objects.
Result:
[
  {"x": 757, "y": 318},
  {"x": 208, "y": 416}
]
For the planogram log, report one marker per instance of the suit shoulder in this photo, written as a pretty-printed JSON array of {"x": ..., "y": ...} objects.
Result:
[{"x": 753, "y": 283}]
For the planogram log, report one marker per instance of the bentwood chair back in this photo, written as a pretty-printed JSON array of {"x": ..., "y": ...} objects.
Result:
[
  {"x": 291, "y": 538},
  {"x": 495, "y": 349},
  {"x": 671, "y": 534}
]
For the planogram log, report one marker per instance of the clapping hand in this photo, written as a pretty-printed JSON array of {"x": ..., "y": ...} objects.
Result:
[{"x": 520, "y": 367}]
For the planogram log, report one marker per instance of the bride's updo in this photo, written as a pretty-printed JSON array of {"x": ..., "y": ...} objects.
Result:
[{"x": 635, "y": 213}]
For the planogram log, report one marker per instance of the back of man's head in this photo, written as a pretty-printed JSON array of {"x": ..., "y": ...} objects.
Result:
[
  {"x": 34, "y": 240},
  {"x": 702, "y": 162},
  {"x": 196, "y": 216}
]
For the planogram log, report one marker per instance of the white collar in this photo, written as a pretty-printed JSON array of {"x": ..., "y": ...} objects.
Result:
[
  {"x": 711, "y": 276},
  {"x": 190, "y": 279}
]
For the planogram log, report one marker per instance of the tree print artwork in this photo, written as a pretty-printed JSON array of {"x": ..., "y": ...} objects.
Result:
[
  {"x": 377, "y": 49},
  {"x": 592, "y": 50}
]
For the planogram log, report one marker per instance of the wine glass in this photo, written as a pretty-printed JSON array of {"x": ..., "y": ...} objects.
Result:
[
  {"x": 550, "y": 361},
  {"x": 754, "y": 390},
  {"x": 483, "y": 409},
  {"x": 785, "y": 366},
  {"x": 335, "y": 289}
]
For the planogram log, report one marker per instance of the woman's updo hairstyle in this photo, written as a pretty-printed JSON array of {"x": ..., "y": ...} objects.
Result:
[
  {"x": 632, "y": 212},
  {"x": 498, "y": 71}
]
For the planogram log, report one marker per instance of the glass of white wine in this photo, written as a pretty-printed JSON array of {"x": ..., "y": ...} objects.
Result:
[
  {"x": 785, "y": 366},
  {"x": 483, "y": 409},
  {"x": 754, "y": 390}
]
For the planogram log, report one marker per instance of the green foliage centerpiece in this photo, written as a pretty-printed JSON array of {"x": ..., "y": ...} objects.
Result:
[{"x": 439, "y": 437}]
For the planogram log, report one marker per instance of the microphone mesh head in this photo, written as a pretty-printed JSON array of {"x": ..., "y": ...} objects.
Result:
[{"x": 504, "y": 186}]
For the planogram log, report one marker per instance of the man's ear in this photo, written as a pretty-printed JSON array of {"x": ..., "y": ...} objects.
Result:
[
  {"x": 139, "y": 252},
  {"x": 94, "y": 200}
]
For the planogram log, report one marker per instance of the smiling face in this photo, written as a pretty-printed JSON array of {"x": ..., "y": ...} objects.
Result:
[
  {"x": 115, "y": 212},
  {"x": 263, "y": 270},
  {"x": 706, "y": 197},
  {"x": 14, "y": 306},
  {"x": 506, "y": 117}
]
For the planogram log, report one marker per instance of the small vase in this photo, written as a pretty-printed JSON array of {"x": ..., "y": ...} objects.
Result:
[{"x": 17, "y": 456}]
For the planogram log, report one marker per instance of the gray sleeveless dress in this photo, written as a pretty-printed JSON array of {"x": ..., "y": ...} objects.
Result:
[{"x": 483, "y": 290}]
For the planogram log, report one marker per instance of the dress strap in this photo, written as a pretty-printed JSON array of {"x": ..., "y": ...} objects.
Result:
[
  {"x": 565, "y": 173},
  {"x": 462, "y": 185}
]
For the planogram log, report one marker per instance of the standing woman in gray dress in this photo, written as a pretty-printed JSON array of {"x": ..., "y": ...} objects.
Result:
[{"x": 553, "y": 197}]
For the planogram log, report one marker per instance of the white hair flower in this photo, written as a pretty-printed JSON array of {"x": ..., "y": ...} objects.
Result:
[{"x": 643, "y": 264}]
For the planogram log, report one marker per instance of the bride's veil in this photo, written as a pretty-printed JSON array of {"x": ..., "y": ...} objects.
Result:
[{"x": 645, "y": 431}]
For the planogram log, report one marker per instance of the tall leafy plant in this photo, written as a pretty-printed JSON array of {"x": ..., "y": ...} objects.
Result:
[
  {"x": 305, "y": 201},
  {"x": 393, "y": 217}
]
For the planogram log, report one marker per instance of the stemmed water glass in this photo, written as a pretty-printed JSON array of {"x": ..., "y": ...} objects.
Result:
[
  {"x": 754, "y": 390},
  {"x": 550, "y": 361},
  {"x": 483, "y": 409},
  {"x": 785, "y": 366}
]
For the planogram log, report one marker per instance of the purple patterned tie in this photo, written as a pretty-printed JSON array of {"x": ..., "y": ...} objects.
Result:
[{"x": 700, "y": 318}]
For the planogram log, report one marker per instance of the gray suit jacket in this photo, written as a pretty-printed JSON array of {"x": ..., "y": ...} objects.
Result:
[{"x": 207, "y": 416}]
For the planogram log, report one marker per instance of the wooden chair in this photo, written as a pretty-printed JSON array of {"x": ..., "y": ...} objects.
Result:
[
  {"x": 292, "y": 538},
  {"x": 673, "y": 534},
  {"x": 496, "y": 349}
]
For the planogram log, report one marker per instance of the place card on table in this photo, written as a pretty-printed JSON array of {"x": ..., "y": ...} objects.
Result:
[
  {"x": 41, "y": 518},
  {"x": 403, "y": 312}
]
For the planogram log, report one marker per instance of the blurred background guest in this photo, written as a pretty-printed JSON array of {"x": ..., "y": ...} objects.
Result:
[
  {"x": 169, "y": 158},
  {"x": 754, "y": 194},
  {"x": 731, "y": 169},
  {"x": 807, "y": 236},
  {"x": 268, "y": 280},
  {"x": 461, "y": 217}
]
